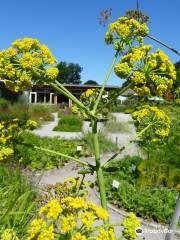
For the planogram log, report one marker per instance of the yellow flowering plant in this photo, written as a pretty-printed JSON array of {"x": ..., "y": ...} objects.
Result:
[
  {"x": 9, "y": 234},
  {"x": 10, "y": 136},
  {"x": 28, "y": 62},
  {"x": 76, "y": 218}
]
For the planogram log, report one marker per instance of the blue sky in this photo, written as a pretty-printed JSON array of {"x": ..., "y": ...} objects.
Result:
[{"x": 70, "y": 28}]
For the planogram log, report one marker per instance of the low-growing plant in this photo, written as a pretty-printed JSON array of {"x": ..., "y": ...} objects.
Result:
[
  {"x": 41, "y": 113},
  {"x": 69, "y": 123},
  {"x": 4, "y": 104},
  {"x": 155, "y": 203},
  {"x": 36, "y": 160}
]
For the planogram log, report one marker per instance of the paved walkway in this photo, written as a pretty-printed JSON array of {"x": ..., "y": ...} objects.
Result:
[
  {"x": 47, "y": 130},
  {"x": 71, "y": 170}
]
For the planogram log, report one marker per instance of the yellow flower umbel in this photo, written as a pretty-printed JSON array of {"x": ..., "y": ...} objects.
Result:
[
  {"x": 148, "y": 73},
  {"x": 36, "y": 226},
  {"x": 124, "y": 32},
  {"x": 89, "y": 97},
  {"x": 26, "y": 63},
  {"x": 52, "y": 73},
  {"x": 68, "y": 223},
  {"x": 10, "y": 136},
  {"x": 158, "y": 121},
  {"x": 70, "y": 218},
  {"x": 106, "y": 234},
  {"x": 52, "y": 209}
]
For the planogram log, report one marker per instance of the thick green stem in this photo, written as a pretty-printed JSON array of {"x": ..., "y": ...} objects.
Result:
[
  {"x": 99, "y": 170},
  {"x": 73, "y": 98},
  {"x": 104, "y": 83}
]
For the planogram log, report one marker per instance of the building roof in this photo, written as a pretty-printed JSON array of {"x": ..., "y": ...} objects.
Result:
[{"x": 129, "y": 91}]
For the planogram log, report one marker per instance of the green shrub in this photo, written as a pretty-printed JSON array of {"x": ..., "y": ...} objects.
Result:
[
  {"x": 155, "y": 203},
  {"x": 69, "y": 123},
  {"x": 41, "y": 113},
  {"x": 42, "y": 108},
  {"x": 14, "y": 111},
  {"x": 18, "y": 200},
  {"x": 118, "y": 107},
  {"x": 4, "y": 104},
  {"x": 152, "y": 203}
]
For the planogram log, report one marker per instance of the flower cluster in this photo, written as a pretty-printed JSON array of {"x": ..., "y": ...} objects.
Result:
[
  {"x": 124, "y": 32},
  {"x": 75, "y": 218},
  {"x": 131, "y": 223},
  {"x": 5, "y": 152},
  {"x": 156, "y": 119},
  {"x": 24, "y": 63},
  {"x": 69, "y": 217},
  {"x": 88, "y": 98},
  {"x": 10, "y": 134},
  {"x": 148, "y": 73},
  {"x": 70, "y": 187}
]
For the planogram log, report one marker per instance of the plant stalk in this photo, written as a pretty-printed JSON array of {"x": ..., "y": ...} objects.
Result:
[
  {"x": 104, "y": 82},
  {"x": 164, "y": 44},
  {"x": 99, "y": 170}
]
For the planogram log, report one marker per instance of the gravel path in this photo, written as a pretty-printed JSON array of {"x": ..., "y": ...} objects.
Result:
[{"x": 71, "y": 170}]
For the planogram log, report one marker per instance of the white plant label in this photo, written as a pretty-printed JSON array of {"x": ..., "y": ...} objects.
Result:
[
  {"x": 79, "y": 148},
  {"x": 115, "y": 184}
]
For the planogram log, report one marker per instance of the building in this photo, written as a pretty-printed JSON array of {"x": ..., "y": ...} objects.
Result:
[{"x": 47, "y": 95}]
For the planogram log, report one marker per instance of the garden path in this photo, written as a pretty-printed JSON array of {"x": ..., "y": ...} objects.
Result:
[
  {"x": 47, "y": 130},
  {"x": 71, "y": 170},
  {"x": 121, "y": 138}
]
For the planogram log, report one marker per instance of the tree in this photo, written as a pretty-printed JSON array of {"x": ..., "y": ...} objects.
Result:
[
  {"x": 177, "y": 82},
  {"x": 69, "y": 73},
  {"x": 91, "y": 82}
]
